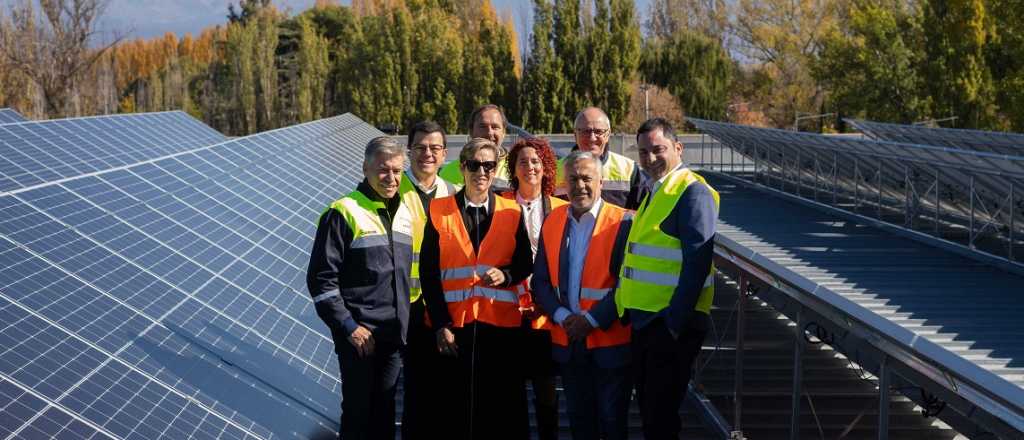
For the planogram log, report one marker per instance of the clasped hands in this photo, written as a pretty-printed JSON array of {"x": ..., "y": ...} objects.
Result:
[
  {"x": 577, "y": 327},
  {"x": 445, "y": 338}
]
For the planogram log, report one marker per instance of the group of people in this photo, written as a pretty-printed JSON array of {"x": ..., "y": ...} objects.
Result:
[{"x": 502, "y": 268}]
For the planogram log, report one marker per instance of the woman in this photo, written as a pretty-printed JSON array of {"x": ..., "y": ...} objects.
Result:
[
  {"x": 471, "y": 265},
  {"x": 532, "y": 175}
]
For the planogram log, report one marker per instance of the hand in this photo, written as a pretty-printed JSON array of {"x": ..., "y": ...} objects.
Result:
[
  {"x": 362, "y": 340},
  {"x": 493, "y": 277},
  {"x": 577, "y": 327},
  {"x": 446, "y": 342},
  {"x": 530, "y": 313}
]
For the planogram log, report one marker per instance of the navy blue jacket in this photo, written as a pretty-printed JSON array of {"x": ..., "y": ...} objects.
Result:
[{"x": 366, "y": 287}]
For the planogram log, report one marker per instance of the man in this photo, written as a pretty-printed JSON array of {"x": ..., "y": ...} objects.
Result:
[
  {"x": 574, "y": 276},
  {"x": 359, "y": 278},
  {"x": 475, "y": 253},
  {"x": 428, "y": 148},
  {"x": 488, "y": 122},
  {"x": 666, "y": 282},
  {"x": 622, "y": 179}
]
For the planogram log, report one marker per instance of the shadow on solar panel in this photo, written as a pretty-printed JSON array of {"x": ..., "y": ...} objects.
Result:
[
  {"x": 971, "y": 198},
  {"x": 34, "y": 153},
  {"x": 167, "y": 298}
]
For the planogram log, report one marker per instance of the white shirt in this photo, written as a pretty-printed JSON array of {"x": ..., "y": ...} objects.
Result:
[
  {"x": 476, "y": 205},
  {"x": 579, "y": 234},
  {"x": 533, "y": 216}
]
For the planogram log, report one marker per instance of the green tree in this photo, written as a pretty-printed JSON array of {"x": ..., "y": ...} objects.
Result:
[
  {"x": 241, "y": 41},
  {"x": 624, "y": 56},
  {"x": 265, "y": 30},
  {"x": 541, "y": 93},
  {"x": 695, "y": 69},
  {"x": 313, "y": 66},
  {"x": 956, "y": 35},
  {"x": 871, "y": 67},
  {"x": 571, "y": 50},
  {"x": 1006, "y": 60}
]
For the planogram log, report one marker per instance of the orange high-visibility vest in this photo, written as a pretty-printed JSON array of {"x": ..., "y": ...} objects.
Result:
[
  {"x": 596, "y": 281},
  {"x": 468, "y": 298},
  {"x": 542, "y": 322}
]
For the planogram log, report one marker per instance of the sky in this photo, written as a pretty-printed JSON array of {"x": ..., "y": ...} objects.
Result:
[{"x": 151, "y": 18}]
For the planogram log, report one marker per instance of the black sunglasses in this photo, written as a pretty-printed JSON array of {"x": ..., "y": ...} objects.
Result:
[{"x": 474, "y": 165}]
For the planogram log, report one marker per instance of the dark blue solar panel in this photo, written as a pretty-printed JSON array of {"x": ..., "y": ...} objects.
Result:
[
  {"x": 33, "y": 153},
  {"x": 9, "y": 116},
  {"x": 166, "y": 299}
]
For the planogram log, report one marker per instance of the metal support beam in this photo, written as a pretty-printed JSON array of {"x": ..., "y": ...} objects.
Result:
[
  {"x": 741, "y": 323},
  {"x": 798, "y": 376},
  {"x": 883, "y": 399}
]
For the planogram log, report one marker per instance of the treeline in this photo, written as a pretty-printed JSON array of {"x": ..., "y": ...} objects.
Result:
[
  {"x": 887, "y": 60},
  {"x": 398, "y": 61}
]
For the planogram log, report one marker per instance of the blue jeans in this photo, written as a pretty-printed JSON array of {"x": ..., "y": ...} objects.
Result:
[{"x": 597, "y": 398}]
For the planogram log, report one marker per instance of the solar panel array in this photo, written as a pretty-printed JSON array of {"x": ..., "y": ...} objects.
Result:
[
  {"x": 976, "y": 189},
  {"x": 977, "y": 140},
  {"x": 167, "y": 299},
  {"x": 33, "y": 153},
  {"x": 8, "y": 116}
]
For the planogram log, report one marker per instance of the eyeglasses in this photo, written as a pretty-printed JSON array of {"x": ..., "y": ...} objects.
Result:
[
  {"x": 474, "y": 165},
  {"x": 593, "y": 131},
  {"x": 433, "y": 149}
]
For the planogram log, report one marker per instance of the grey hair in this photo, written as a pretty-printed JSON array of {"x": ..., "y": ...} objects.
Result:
[
  {"x": 382, "y": 145},
  {"x": 604, "y": 116},
  {"x": 578, "y": 155}
]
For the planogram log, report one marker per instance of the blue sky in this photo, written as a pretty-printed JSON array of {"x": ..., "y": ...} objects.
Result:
[{"x": 149, "y": 18}]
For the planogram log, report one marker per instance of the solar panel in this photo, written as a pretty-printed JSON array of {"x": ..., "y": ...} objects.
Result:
[
  {"x": 167, "y": 299},
  {"x": 978, "y": 140},
  {"x": 33, "y": 153},
  {"x": 9, "y": 116},
  {"x": 972, "y": 189}
]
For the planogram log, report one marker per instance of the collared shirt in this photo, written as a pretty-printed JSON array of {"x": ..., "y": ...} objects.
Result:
[
  {"x": 578, "y": 237},
  {"x": 653, "y": 187},
  {"x": 533, "y": 216},
  {"x": 415, "y": 181},
  {"x": 482, "y": 205}
]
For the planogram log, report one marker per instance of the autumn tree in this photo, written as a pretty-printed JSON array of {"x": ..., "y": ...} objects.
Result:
[{"x": 782, "y": 37}]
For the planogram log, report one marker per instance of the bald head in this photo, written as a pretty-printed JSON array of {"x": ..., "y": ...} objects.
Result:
[
  {"x": 593, "y": 130},
  {"x": 592, "y": 114}
]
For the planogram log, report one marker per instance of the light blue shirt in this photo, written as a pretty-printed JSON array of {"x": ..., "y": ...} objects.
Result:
[{"x": 578, "y": 235}]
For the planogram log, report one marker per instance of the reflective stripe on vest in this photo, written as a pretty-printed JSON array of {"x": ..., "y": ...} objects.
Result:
[
  {"x": 468, "y": 300},
  {"x": 596, "y": 280},
  {"x": 616, "y": 173},
  {"x": 654, "y": 260},
  {"x": 541, "y": 322},
  {"x": 411, "y": 198}
]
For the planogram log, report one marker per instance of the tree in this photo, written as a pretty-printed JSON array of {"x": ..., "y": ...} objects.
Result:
[
  {"x": 956, "y": 35},
  {"x": 872, "y": 66},
  {"x": 570, "y": 49},
  {"x": 313, "y": 67},
  {"x": 783, "y": 37},
  {"x": 695, "y": 69},
  {"x": 52, "y": 49},
  {"x": 666, "y": 18},
  {"x": 543, "y": 83},
  {"x": 1006, "y": 60}
]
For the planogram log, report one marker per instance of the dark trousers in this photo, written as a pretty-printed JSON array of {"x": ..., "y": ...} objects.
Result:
[
  {"x": 540, "y": 372},
  {"x": 487, "y": 398},
  {"x": 422, "y": 368},
  {"x": 368, "y": 391},
  {"x": 597, "y": 398},
  {"x": 662, "y": 368}
]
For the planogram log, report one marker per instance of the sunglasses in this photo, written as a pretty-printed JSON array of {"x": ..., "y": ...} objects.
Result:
[{"x": 474, "y": 165}]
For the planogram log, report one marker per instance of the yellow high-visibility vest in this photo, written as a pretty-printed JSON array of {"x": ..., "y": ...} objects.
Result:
[{"x": 653, "y": 259}]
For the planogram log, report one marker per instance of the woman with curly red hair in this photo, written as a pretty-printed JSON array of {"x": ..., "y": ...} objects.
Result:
[{"x": 532, "y": 171}]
